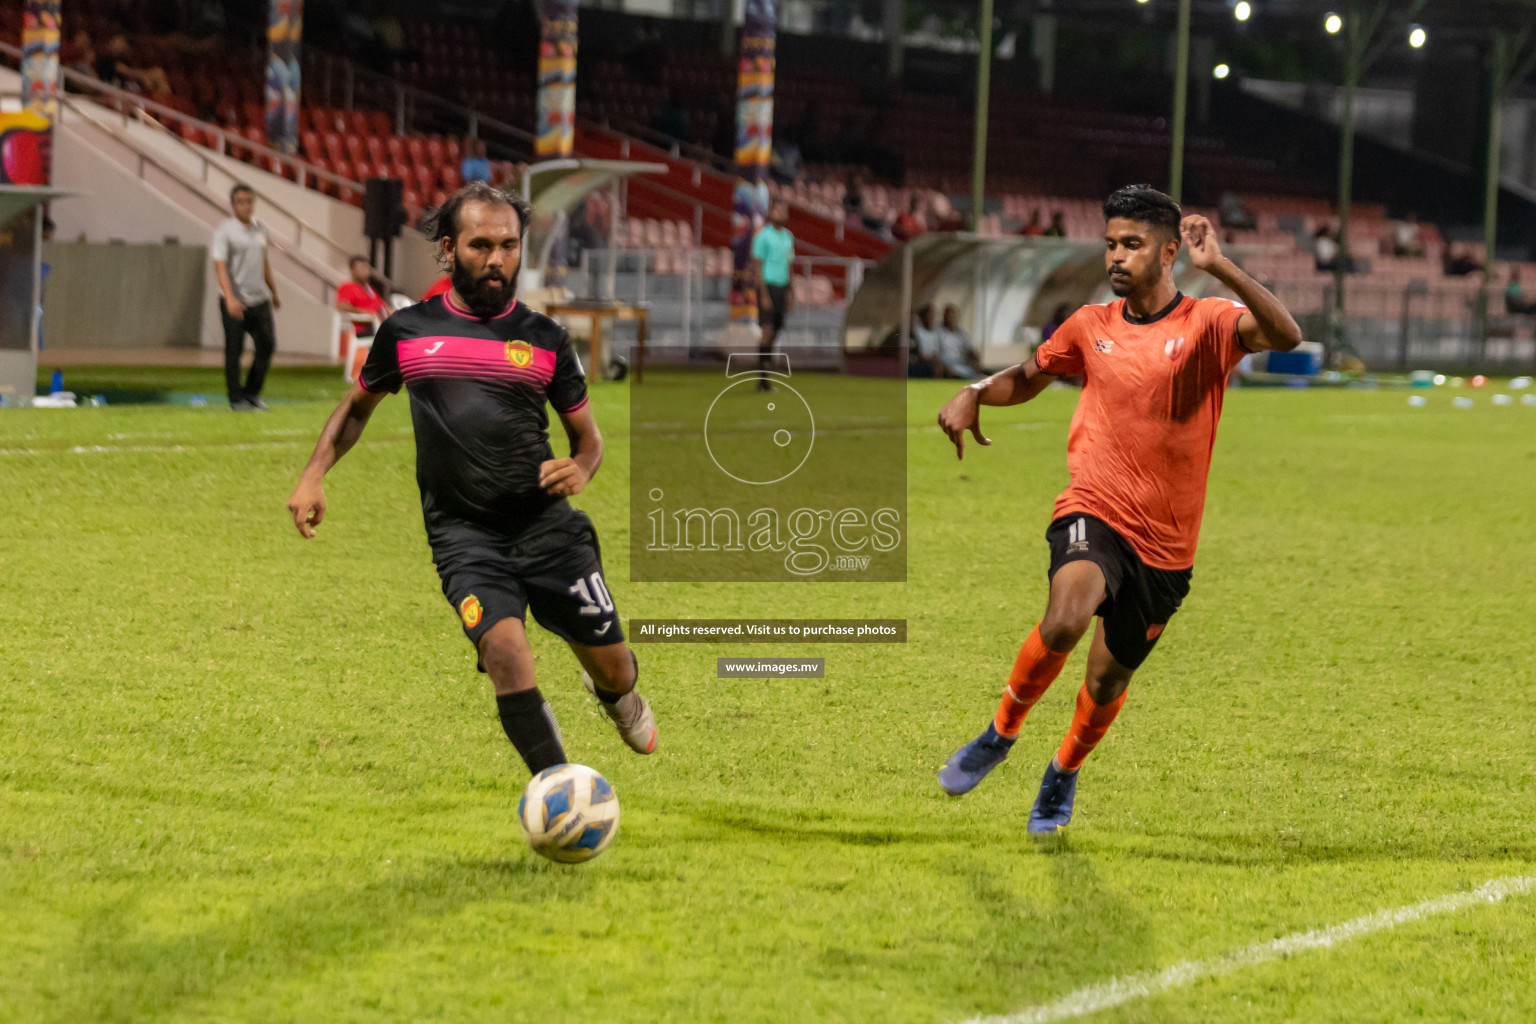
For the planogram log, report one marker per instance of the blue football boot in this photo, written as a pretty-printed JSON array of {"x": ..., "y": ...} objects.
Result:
[
  {"x": 967, "y": 766},
  {"x": 1053, "y": 807}
]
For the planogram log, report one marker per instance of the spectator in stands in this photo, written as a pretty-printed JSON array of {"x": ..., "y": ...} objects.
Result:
[
  {"x": 247, "y": 297},
  {"x": 1515, "y": 303},
  {"x": 910, "y": 223},
  {"x": 1461, "y": 260},
  {"x": 113, "y": 68},
  {"x": 474, "y": 166},
  {"x": 442, "y": 286},
  {"x": 1058, "y": 228},
  {"x": 1325, "y": 250},
  {"x": 942, "y": 215},
  {"x": 360, "y": 298},
  {"x": 673, "y": 118},
  {"x": 923, "y": 353},
  {"x": 1235, "y": 213},
  {"x": 79, "y": 55},
  {"x": 1407, "y": 238},
  {"x": 1033, "y": 228},
  {"x": 956, "y": 353}
]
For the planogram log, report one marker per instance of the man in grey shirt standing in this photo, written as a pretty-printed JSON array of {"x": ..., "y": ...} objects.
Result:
[{"x": 247, "y": 297}]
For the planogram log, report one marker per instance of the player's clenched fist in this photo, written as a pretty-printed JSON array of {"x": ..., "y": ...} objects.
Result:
[
  {"x": 307, "y": 503},
  {"x": 564, "y": 477},
  {"x": 962, "y": 413}
]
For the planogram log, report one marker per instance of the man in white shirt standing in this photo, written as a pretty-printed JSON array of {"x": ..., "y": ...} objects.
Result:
[{"x": 246, "y": 297}]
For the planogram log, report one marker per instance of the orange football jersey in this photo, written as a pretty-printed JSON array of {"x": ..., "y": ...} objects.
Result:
[{"x": 1140, "y": 445}]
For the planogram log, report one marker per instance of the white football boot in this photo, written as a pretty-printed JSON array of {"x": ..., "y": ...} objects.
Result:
[{"x": 631, "y": 715}]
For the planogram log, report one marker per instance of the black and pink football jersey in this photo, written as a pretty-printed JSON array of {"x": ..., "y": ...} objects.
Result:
[{"x": 478, "y": 389}]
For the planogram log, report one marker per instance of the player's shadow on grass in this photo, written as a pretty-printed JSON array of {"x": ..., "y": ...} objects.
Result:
[
  {"x": 126, "y": 972},
  {"x": 1078, "y": 931},
  {"x": 802, "y": 827}
]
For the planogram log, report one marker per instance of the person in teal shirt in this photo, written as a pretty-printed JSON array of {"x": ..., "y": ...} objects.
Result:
[{"x": 773, "y": 249}]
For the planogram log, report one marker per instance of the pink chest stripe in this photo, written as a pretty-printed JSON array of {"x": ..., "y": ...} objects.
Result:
[{"x": 451, "y": 356}]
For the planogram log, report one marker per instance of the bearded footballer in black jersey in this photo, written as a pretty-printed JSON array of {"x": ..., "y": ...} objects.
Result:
[{"x": 479, "y": 367}]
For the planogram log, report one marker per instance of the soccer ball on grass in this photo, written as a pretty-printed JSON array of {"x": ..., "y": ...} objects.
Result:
[{"x": 569, "y": 813}]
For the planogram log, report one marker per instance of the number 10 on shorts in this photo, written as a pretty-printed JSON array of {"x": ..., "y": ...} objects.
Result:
[{"x": 603, "y": 605}]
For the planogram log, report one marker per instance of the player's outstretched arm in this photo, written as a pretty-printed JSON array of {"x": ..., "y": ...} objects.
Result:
[
  {"x": 1010, "y": 387},
  {"x": 341, "y": 431},
  {"x": 1267, "y": 325},
  {"x": 568, "y": 476}
]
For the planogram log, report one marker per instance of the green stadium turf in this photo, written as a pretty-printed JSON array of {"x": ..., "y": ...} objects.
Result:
[{"x": 250, "y": 778}]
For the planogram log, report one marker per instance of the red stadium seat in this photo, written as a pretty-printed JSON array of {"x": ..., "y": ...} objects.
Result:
[
  {"x": 416, "y": 149},
  {"x": 436, "y": 154},
  {"x": 410, "y": 198},
  {"x": 335, "y": 148},
  {"x": 381, "y": 123},
  {"x": 424, "y": 178},
  {"x": 439, "y": 198},
  {"x": 396, "y": 147},
  {"x": 365, "y": 171},
  {"x": 450, "y": 177},
  {"x": 453, "y": 150},
  {"x": 192, "y": 134},
  {"x": 311, "y": 145},
  {"x": 356, "y": 151},
  {"x": 375, "y": 147},
  {"x": 343, "y": 169}
]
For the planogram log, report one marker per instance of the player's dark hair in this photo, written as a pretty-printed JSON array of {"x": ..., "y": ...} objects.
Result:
[
  {"x": 1145, "y": 205},
  {"x": 353, "y": 261},
  {"x": 443, "y": 222},
  {"x": 240, "y": 187}
]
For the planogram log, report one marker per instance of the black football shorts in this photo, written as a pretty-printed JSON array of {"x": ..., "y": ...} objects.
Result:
[
  {"x": 557, "y": 572},
  {"x": 1139, "y": 600}
]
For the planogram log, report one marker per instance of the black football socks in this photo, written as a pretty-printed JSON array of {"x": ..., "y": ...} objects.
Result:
[
  {"x": 530, "y": 725},
  {"x": 608, "y": 696}
]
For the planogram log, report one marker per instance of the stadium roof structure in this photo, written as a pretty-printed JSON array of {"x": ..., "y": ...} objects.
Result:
[{"x": 1296, "y": 19}]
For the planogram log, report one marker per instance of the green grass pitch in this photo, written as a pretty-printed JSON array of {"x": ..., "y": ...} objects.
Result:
[{"x": 249, "y": 778}]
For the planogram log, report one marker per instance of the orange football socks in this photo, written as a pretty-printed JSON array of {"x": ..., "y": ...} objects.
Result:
[
  {"x": 1036, "y": 667},
  {"x": 1089, "y": 724}
]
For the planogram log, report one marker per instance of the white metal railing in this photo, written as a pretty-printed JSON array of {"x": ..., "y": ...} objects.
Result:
[{"x": 323, "y": 279}]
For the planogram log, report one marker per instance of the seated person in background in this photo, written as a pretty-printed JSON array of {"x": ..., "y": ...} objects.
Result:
[
  {"x": 1515, "y": 303},
  {"x": 923, "y": 355},
  {"x": 1052, "y": 325},
  {"x": 956, "y": 353},
  {"x": 1235, "y": 213},
  {"x": 910, "y": 224},
  {"x": 79, "y": 54},
  {"x": 113, "y": 68},
  {"x": 1058, "y": 228},
  {"x": 1407, "y": 240},
  {"x": 360, "y": 298},
  {"x": 942, "y": 215},
  {"x": 1033, "y": 229},
  {"x": 1325, "y": 250},
  {"x": 1461, "y": 260},
  {"x": 474, "y": 166}
]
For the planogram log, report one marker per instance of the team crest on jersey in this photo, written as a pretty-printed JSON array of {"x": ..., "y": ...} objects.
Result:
[
  {"x": 1172, "y": 347},
  {"x": 519, "y": 353},
  {"x": 1104, "y": 345},
  {"x": 470, "y": 611}
]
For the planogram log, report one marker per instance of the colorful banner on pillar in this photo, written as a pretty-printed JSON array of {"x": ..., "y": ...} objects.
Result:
[
  {"x": 285, "y": 32},
  {"x": 754, "y": 148},
  {"x": 557, "y": 78},
  {"x": 26, "y": 138}
]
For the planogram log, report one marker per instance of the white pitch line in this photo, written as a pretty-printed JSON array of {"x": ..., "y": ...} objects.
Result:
[
  {"x": 1110, "y": 994},
  {"x": 109, "y": 449}
]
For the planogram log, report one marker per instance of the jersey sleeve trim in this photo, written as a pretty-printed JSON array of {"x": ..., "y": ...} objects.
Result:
[{"x": 585, "y": 400}]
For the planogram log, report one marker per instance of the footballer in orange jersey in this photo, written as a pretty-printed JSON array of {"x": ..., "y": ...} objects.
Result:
[{"x": 1154, "y": 365}]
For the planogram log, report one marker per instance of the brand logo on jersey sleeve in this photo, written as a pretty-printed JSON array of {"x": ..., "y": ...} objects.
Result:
[
  {"x": 519, "y": 353},
  {"x": 470, "y": 611},
  {"x": 1173, "y": 347}
]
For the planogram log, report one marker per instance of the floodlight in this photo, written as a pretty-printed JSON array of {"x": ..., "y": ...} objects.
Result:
[
  {"x": 1243, "y": 11},
  {"x": 1221, "y": 71},
  {"x": 1332, "y": 24},
  {"x": 1417, "y": 37}
]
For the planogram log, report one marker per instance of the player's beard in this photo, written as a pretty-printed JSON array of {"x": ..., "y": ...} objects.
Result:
[
  {"x": 1129, "y": 283},
  {"x": 486, "y": 295}
]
